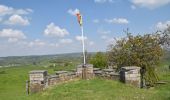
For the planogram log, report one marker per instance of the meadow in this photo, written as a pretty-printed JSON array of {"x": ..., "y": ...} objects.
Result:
[{"x": 12, "y": 87}]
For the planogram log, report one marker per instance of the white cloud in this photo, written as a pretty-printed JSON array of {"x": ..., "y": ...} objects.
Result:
[
  {"x": 29, "y": 10},
  {"x": 104, "y": 31},
  {"x": 91, "y": 43},
  {"x": 95, "y": 21},
  {"x": 73, "y": 12},
  {"x": 162, "y": 25},
  {"x": 117, "y": 21},
  {"x": 5, "y": 10},
  {"x": 79, "y": 38},
  {"x": 66, "y": 41},
  {"x": 87, "y": 41},
  {"x": 12, "y": 40},
  {"x": 103, "y": 1},
  {"x": 17, "y": 20},
  {"x": 104, "y": 37},
  {"x": 53, "y": 30},
  {"x": 36, "y": 42},
  {"x": 12, "y": 35},
  {"x": 54, "y": 44},
  {"x": 15, "y": 15},
  {"x": 151, "y": 4},
  {"x": 112, "y": 40}
]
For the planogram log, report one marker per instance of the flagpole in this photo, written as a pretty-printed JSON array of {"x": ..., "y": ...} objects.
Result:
[
  {"x": 79, "y": 16},
  {"x": 82, "y": 35}
]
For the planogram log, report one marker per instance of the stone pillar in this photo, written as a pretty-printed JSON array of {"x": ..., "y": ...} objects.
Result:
[
  {"x": 85, "y": 71},
  {"x": 131, "y": 75},
  {"x": 79, "y": 71},
  {"x": 38, "y": 79},
  {"x": 89, "y": 71}
]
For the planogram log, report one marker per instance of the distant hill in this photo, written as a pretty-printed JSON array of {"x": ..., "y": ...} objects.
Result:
[
  {"x": 40, "y": 59},
  {"x": 49, "y": 59}
]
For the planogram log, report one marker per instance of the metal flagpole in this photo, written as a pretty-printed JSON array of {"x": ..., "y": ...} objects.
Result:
[
  {"x": 84, "y": 60},
  {"x": 79, "y": 16},
  {"x": 82, "y": 35}
]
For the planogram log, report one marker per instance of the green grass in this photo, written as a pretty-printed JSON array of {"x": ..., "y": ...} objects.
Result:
[
  {"x": 98, "y": 89},
  {"x": 12, "y": 87},
  {"x": 12, "y": 82}
]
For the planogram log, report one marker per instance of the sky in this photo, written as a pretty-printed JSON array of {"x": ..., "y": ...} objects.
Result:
[{"x": 40, "y": 27}]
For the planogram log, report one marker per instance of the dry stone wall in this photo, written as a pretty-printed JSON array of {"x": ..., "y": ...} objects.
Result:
[
  {"x": 39, "y": 79},
  {"x": 106, "y": 73},
  {"x": 129, "y": 75}
]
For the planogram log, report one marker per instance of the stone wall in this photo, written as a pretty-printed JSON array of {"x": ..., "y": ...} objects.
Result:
[
  {"x": 61, "y": 76},
  {"x": 129, "y": 75},
  {"x": 106, "y": 73},
  {"x": 39, "y": 79}
]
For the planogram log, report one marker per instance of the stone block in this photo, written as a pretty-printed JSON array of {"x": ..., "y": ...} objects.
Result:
[{"x": 131, "y": 75}]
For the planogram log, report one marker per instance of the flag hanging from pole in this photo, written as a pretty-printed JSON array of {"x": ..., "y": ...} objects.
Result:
[
  {"x": 79, "y": 18},
  {"x": 80, "y": 21}
]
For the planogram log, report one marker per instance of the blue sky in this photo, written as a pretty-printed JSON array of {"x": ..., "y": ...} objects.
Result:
[{"x": 38, "y": 27}]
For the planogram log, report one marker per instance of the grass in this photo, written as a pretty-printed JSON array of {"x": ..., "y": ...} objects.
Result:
[
  {"x": 12, "y": 87},
  {"x": 96, "y": 89},
  {"x": 12, "y": 82},
  {"x": 99, "y": 89}
]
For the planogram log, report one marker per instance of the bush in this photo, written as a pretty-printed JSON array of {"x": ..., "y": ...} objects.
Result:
[
  {"x": 143, "y": 51},
  {"x": 99, "y": 60}
]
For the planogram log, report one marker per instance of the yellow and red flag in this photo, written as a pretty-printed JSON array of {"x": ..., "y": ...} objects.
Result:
[{"x": 79, "y": 18}]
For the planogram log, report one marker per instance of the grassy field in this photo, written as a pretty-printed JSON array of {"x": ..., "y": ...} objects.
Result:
[
  {"x": 12, "y": 87},
  {"x": 98, "y": 89}
]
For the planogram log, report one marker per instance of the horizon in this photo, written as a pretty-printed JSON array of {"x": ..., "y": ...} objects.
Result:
[
  {"x": 29, "y": 27},
  {"x": 48, "y": 54}
]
